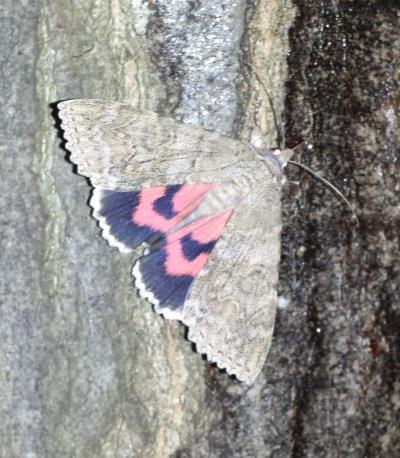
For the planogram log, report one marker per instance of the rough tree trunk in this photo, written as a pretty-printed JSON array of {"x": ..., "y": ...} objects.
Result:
[{"x": 89, "y": 370}]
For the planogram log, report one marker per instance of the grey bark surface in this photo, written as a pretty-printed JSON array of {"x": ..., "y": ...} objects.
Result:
[{"x": 89, "y": 370}]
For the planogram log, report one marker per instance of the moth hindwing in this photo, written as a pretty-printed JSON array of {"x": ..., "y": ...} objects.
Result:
[{"x": 208, "y": 208}]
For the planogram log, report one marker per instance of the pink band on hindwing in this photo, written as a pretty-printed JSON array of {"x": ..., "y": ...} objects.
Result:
[
  {"x": 197, "y": 237},
  {"x": 183, "y": 202},
  {"x": 189, "y": 196},
  {"x": 167, "y": 270}
]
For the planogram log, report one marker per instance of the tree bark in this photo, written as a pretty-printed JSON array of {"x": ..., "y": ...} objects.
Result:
[{"x": 87, "y": 369}]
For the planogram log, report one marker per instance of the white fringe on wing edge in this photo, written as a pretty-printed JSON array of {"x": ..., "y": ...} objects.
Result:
[
  {"x": 143, "y": 292},
  {"x": 95, "y": 203},
  {"x": 212, "y": 354}
]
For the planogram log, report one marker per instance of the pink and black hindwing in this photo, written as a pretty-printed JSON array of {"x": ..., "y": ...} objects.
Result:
[
  {"x": 129, "y": 218},
  {"x": 165, "y": 274},
  {"x": 175, "y": 255}
]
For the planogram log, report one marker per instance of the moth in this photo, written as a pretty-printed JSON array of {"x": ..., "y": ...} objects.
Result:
[{"x": 206, "y": 206}]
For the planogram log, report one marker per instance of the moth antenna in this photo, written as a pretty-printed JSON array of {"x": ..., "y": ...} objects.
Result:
[
  {"x": 280, "y": 131},
  {"x": 281, "y": 140},
  {"x": 329, "y": 185}
]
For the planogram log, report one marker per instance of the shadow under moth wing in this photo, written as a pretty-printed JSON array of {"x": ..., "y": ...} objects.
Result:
[{"x": 208, "y": 207}]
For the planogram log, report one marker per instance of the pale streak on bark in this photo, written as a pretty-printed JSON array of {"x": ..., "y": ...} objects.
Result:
[{"x": 267, "y": 42}]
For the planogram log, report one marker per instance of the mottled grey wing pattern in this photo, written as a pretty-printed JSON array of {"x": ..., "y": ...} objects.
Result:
[
  {"x": 119, "y": 147},
  {"x": 230, "y": 310}
]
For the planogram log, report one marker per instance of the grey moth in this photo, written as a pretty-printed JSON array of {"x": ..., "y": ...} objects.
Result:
[{"x": 208, "y": 209}]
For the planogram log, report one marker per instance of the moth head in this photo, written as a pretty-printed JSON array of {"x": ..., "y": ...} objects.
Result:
[{"x": 276, "y": 160}]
